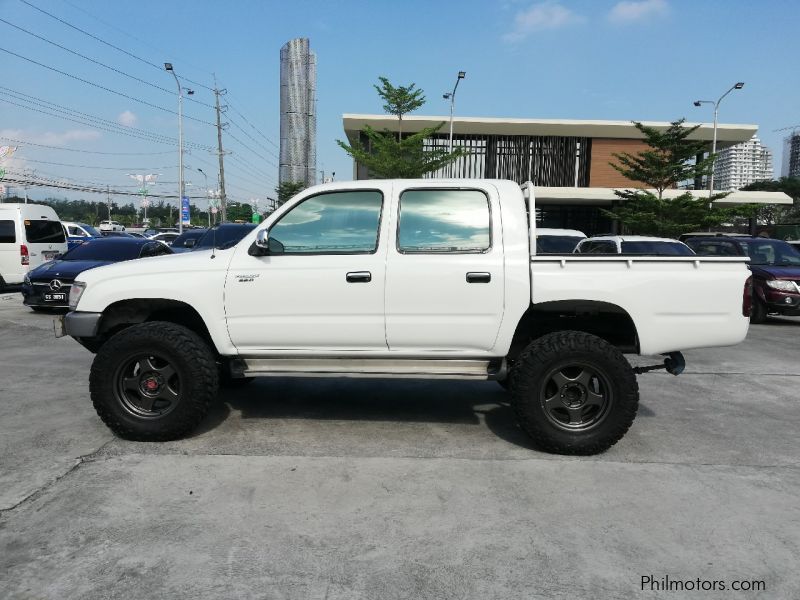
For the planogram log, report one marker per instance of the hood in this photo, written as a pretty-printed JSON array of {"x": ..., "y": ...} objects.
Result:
[
  {"x": 66, "y": 270},
  {"x": 776, "y": 272}
]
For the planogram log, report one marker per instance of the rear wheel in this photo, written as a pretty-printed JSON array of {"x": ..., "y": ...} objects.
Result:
[
  {"x": 574, "y": 393},
  {"x": 153, "y": 381}
]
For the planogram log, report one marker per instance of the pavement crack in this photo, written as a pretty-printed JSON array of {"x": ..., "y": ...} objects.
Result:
[{"x": 84, "y": 458}]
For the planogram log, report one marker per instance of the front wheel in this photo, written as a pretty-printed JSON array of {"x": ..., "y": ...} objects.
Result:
[
  {"x": 758, "y": 314},
  {"x": 153, "y": 381},
  {"x": 574, "y": 393}
]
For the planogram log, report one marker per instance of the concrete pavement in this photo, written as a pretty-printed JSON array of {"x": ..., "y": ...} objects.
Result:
[{"x": 396, "y": 489}]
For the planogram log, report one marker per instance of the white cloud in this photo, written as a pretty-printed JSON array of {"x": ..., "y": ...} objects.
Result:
[
  {"x": 127, "y": 118},
  {"x": 632, "y": 11},
  {"x": 539, "y": 17}
]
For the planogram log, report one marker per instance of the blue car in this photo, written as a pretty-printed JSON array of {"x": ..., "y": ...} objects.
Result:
[
  {"x": 77, "y": 233},
  {"x": 47, "y": 286}
]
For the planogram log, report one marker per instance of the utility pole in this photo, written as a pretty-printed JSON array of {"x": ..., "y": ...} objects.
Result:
[
  {"x": 108, "y": 201},
  {"x": 220, "y": 153}
]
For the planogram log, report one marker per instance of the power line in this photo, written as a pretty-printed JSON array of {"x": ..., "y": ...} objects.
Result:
[
  {"x": 250, "y": 167},
  {"x": 241, "y": 143},
  {"x": 70, "y": 114},
  {"x": 88, "y": 189},
  {"x": 45, "y": 162},
  {"x": 97, "y": 85},
  {"x": 235, "y": 124},
  {"x": 27, "y": 143},
  {"x": 257, "y": 130},
  {"x": 97, "y": 62}
]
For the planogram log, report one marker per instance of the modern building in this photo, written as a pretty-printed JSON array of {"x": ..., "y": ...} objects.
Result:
[
  {"x": 791, "y": 155},
  {"x": 298, "y": 151},
  {"x": 742, "y": 164},
  {"x": 567, "y": 160}
]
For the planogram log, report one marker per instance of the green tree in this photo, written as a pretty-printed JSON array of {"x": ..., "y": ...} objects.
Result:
[
  {"x": 399, "y": 100},
  {"x": 668, "y": 161},
  {"x": 287, "y": 189}
]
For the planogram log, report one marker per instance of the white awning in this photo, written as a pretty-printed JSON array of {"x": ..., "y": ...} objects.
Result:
[{"x": 605, "y": 196}]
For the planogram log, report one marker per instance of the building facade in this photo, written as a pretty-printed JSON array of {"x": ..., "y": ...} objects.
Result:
[
  {"x": 569, "y": 161},
  {"x": 791, "y": 155},
  {"x": 298, "y": 94},
  {"x": 742, "y": 164}
]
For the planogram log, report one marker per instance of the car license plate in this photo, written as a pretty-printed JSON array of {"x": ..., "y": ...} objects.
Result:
[
  {"x": 49, "y": 255},
  {"x": 55, "y": 297}
]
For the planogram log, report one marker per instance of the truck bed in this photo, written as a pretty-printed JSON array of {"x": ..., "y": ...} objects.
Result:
[{"x": 677, "y": 303}]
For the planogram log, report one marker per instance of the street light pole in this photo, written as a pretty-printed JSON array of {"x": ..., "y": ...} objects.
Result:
[
  {"x": 452, "y": 97},
  {"x": 736, "y": 86},
  {"x": 181, "y": 185}
]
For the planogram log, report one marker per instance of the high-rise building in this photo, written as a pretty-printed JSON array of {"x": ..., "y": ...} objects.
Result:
[
  {"x": 790, "y": 166},
  {"x": 298, "y": 152},
  {"x": 742, "y": 164}
]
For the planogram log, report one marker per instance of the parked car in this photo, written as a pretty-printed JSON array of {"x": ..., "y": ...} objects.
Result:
[
  {"x": 705, "y": 234},
  {"x": 775, "y": 265},
  {"x": 166, "y": 238},
  {"x": 400, "y": 278},
  {"x": 30, "y": 234},
  {"x": 77, "y": 233},
  {"x": 124, "y": 234},
  {"x": 794, "y": 244},
  {"x": 223, "y": 235},
  {"x": 187, "y": 240},
  {"x": 136, "y": 234},
  {"x": 47, "y": 286},
  {"x": 557, "y": 241},
  {"x": 633, "y": 244},
  {"x": 111, "y": 226}
]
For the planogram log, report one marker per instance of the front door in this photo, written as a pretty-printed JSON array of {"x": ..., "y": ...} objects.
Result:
[
  {"x": 320, "y": 287},
  {"x": 445, "y": 279}
]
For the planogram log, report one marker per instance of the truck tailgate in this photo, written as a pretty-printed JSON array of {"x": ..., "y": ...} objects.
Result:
[{"x": 676, "y": 303}]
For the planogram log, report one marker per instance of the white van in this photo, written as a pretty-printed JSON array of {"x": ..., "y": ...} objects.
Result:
[{"x": 30, "y": 234}]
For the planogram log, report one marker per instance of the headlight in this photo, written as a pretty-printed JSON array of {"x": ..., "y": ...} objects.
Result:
[
  {"x": 27, "y": 279},
  {"x": 782, "y": 285},
  {"x": 75, "y": 293}
]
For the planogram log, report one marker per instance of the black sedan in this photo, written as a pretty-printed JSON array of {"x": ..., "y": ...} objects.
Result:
[{"x": 47, "y": 286}]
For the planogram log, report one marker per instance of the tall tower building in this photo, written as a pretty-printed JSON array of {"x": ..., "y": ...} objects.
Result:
[
  {"x": 790, "y": 166},
  {"x": 298, "y": 152},
  {"x": 742, "y": 164}
]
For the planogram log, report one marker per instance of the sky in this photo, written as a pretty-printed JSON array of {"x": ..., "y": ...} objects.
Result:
[{"x": 570, "y": 59}]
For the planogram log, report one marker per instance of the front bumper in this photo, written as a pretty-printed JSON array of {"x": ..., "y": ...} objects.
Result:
[
  {"x": 33, "y": 295},
  {"x": 81, "y": 324},
  {"x": 787, "y": 303}
]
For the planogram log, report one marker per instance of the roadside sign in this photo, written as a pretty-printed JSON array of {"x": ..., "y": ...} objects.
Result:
[
  {"x": 185, "y": 211},
  {"x": 256, "y": 218},
  {"x": 214, "y": 210}
]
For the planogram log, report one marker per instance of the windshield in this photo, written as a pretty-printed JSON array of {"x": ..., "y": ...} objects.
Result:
[
  {"x": 103, "y": 250},
  {"x": 772, "y": 252},
  {"x": 44, "y": 232},
  {"x": 656, "y": 248},
  {"x": 226, "y": 236},
  {"x": 556, "y": 244},
  {"x": 715, "y": 247},
  {"x": 187, "y": 235},
  {"x": 90, "y": 230}
]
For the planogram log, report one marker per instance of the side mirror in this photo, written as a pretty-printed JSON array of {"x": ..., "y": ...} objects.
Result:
[
  {"x": 190, "y": 243},
  {"x": 262, "y": 239}
]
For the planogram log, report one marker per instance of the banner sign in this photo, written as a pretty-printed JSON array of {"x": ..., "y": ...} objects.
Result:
[{"x": 185, "y": 210}]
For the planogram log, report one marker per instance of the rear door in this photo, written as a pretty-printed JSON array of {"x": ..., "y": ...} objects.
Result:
[
  {"x": 10, "y": 263},
  {"x": 445, "y": 278},
  {"x": 44, "y": 235}
]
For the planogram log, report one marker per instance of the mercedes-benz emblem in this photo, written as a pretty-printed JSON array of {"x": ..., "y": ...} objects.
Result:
[{"x": 55, "y": 285}]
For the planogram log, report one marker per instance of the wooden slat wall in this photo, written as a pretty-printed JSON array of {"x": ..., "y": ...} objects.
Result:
[{"x": 602, "y": 174}]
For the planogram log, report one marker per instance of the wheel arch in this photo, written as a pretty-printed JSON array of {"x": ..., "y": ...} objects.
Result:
[{"x": 605, "y": 320}]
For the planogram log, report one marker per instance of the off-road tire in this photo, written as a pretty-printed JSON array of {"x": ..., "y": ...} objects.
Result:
[
  {"x": 534, "y": 377},
  {"x": 195, "y": 373},
  {"x": 758, "y": 312}
]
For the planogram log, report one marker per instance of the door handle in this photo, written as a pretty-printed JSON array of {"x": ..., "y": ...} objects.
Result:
[
  {"x": 479, "y": 277},
  {"x": 358, "y": 277}
]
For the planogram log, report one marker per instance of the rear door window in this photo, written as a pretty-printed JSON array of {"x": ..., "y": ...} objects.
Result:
[
  {"x": 606, "y": 247},
  {"x": 44, "y": 232},
  {"x": 8, "y": 233}
]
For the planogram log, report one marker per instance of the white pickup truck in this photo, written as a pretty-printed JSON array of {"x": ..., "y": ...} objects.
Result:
[{"x": 403, "y": 278}]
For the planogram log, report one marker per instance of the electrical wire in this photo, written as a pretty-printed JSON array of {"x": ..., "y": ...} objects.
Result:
[
  {"x": 250, "y": 124},
  {"x": 45, "y": 162},
  {"x": 28, "y": 143},
  {"x": 102, "y": 87},
  {"x": 97, "y": 62}
]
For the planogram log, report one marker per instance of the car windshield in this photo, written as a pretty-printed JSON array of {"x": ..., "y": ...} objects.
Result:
[
  {"x": 91, "y": 230},
  {"x": 715, "y": 247},
  {"x": 103, "y": 250},
  {"x": 224, "y": 236},
  {"x": 44, "y": 232},
  {"x": 188, "y": 235},
  {"x": 556, "y": 244},
  {"x": 772, "y": 252},
  {"x": 656, "y": 248}
]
